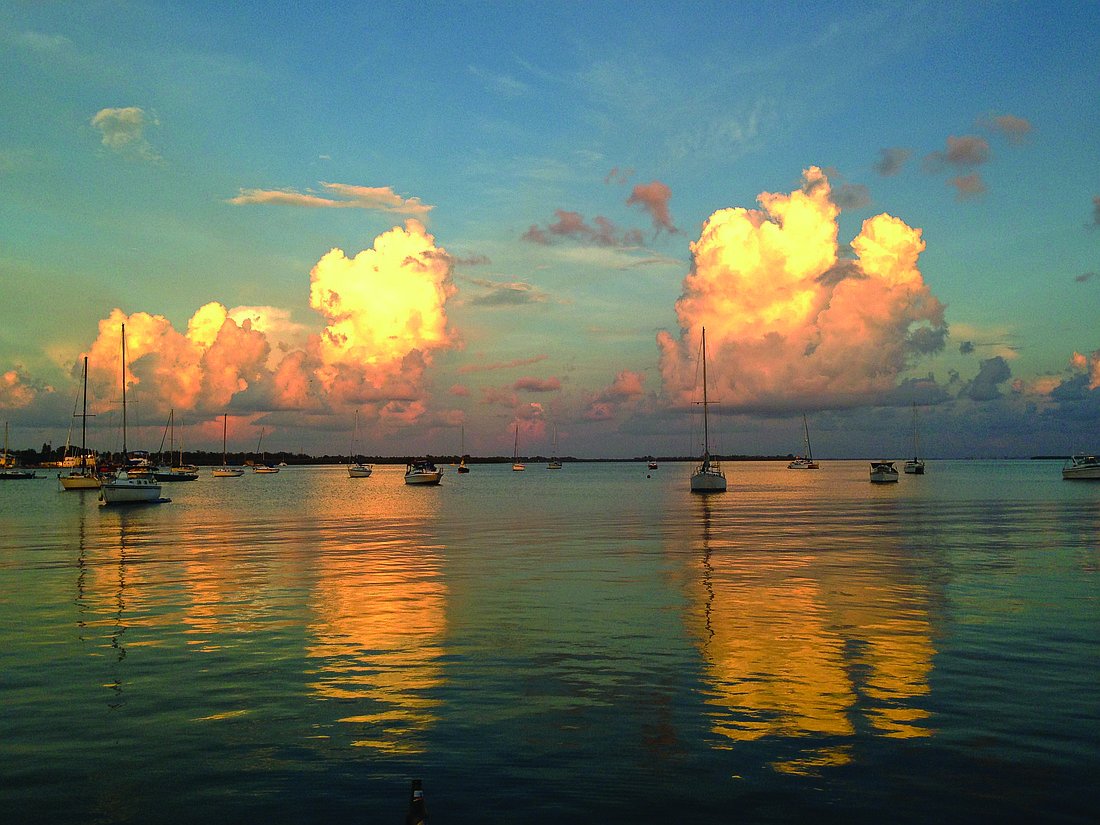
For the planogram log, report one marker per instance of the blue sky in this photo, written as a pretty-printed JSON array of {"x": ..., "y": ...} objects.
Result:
[{"x": 536, "y": 211}]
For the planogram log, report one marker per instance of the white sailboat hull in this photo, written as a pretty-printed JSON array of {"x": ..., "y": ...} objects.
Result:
[
  {"x": 360, "y": 471},
  {"x": 708, "y": 481},
  {"x": 227, "y": 472},
  {"x": 124, "y": 489}
]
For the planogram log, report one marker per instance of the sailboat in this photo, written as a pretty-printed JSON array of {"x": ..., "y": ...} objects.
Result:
[
  {"x": 82, "y": 477},
  {"x": 808, "y": 462},
  {"x": 462, "y": 468},
  {"x": 263, "y": 466},
  {"x": 177, "y": 471},
  {"x": 708, "y": 476},
  {"x": 226, "y": 471},
  {"x": 128, "y": 486},
  {"x": 916, "y": 466},
  {"x": 555, "y": 462},
  {"x": 12, "y": 473},
  {"x": 516, "y": 463},
  {"x": 357, "y": 469}
]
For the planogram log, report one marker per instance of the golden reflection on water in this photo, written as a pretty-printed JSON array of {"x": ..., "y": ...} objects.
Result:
[
  {"x": 380, "y": 618},
  {"x": 803, "y": 644}
]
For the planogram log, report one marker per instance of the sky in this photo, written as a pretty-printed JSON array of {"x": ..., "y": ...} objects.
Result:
[{"x": 483, "y": 221}]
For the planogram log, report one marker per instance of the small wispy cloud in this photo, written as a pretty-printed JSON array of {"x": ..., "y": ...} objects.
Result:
[
  {"x": 123, "y": 132},
  {"x": 891, "y": 161},
  {"x": 501, "y": 365},
  {"x": 343, "y": 196}
]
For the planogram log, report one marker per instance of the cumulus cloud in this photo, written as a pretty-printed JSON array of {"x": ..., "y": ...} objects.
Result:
[
  {"x": 16, "y": 390},
  {"x": 653, "y": 197},
  {"x": 891, "y": 161},
  {"x": 784, "y": 322},
  {"x": 984, "y": 386},
  {"x": 386, "y": 314},
  {"x": 343, "y": 196},
  {"x": 623, "y": 395},
  {"x": 123, "y": 131},
  {"x": 384, "y": 318},
  {"x": 1090, "y": 365}
]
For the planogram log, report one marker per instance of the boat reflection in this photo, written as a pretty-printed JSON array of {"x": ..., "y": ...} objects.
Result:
[{"x": 796, "y": 644}]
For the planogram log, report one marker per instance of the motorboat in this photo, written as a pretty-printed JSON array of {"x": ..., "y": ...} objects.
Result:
[
  {"x": 422, "y": 471},
  {"x": 883, "y": 471},
  {"x": 1086, "y": 467},
  {"x": 914, "y": 466}
]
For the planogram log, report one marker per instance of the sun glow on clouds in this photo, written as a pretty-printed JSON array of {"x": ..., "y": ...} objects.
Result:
[
  {"x": 385, "y": 315},
  {"x": 789, "y": 324}
]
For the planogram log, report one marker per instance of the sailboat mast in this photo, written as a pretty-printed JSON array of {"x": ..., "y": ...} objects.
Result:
[
  {"x": 806, "y": 426},
  {"x": 84, "y": 419},
  {"x": 124, "y": 451},
  {"x": 706, "y": 429}
]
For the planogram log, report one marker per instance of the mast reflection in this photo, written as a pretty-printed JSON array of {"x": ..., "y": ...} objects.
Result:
[{"x": 806, "y": 645}]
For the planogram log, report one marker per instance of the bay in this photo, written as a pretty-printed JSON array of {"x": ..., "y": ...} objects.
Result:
[{"x": 579, "y": 645}]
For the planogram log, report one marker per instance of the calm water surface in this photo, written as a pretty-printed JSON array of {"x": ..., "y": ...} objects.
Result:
[{"x": 594, "y": 644}]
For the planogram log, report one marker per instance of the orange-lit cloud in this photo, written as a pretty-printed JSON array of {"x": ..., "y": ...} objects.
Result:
[
  {"x": 384, "y": 316},
  {"x": 15, "y": 390},
  {"x": 385, "y": 313},
  {"x": 654, "y": 197},
  {"x": 537, "y": 384},
  {"x": 789, "y": 324},
  {"x": 623, "y": 395},
  {"x": 1089, "y": 364},
  {"x": 345, "y": 196}
]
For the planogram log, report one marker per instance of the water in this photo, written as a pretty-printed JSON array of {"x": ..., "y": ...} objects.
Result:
[{"x": 594, "y": 644}]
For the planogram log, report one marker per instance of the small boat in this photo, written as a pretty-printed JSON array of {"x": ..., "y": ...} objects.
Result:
[
  {"x": 177, "y": 471},
  {"x": 131, "y": 484},
  {"x": 555, "y": 462},
  {"x": 808, "y": 462},
  {"x": 517, "y": 465},
  {"x": 653, "y": 465},
  {"x": 462, "y": 468},
  {"x": 83, "y": 477},
  {"x": 357, "y": 469},
  {"x": 8, "y": 471},
  {"x": 708, "y": 476},
  {"x": 422, "y": 471},
  {"x": 226, "y": 471},
  {"x": 1085, "y": 467},
  {"x": 883, "y": 471},
  {"x": 263, "y": 466},
  {"x": 916, "y": 466}
]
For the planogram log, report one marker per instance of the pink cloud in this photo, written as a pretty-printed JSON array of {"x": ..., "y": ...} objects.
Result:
[
  {"x": 654, "y": 198},
  {"x": 969, "y": 186},
  {"x": 459, "y": 389},
  {"x": 519, "y": 362},
  {"x": 970, "y": 150},
  {"x": 346, "y": 196},
  {"x": 574, "y": 226},
  {"x": 1016, "y": 129}
]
